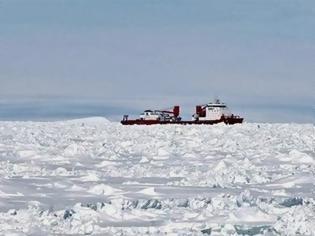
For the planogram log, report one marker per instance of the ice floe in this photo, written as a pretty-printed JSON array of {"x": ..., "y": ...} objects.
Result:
[{"x": 91, "y": 176}]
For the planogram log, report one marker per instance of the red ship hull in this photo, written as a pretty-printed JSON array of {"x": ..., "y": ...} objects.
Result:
[{"x": 226, "y": 120}]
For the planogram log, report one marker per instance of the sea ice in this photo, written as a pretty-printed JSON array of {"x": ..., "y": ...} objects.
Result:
[{"x": 92, "y": 176}]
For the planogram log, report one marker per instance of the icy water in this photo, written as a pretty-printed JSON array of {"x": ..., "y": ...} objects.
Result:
[
  {"x": 65, "y": 109},
  {"x": 92, "y": 176},
  {"x": 57, "y": 110}
]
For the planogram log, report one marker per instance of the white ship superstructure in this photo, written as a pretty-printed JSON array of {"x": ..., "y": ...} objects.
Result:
[{"x": 212, "y": 111}]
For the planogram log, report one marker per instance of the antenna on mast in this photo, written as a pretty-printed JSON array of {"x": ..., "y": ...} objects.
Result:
[{"x": 216, "y": 99}]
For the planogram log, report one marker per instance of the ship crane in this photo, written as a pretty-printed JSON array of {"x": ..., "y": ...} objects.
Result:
[{"x": 161, "y": 115}]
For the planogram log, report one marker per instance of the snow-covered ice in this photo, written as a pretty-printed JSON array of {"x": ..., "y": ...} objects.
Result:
[{"x": 92, "y": 176}]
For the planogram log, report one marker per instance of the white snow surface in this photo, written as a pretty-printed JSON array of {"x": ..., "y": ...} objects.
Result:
[{"x": 95, "y": 177}]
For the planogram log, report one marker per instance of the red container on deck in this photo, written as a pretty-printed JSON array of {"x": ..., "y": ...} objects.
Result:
[{"x": 176, "y": 111}]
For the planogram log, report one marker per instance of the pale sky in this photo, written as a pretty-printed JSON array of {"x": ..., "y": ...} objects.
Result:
[{"x": 258, "y": 56}]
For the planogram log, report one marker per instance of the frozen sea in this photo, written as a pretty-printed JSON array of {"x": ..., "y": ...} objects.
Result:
[{"x": 95, "y": 177}]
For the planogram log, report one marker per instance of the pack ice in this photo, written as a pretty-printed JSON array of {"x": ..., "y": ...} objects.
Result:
[{"x": 92, "y": 176}]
